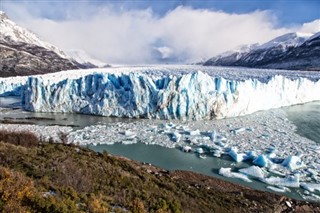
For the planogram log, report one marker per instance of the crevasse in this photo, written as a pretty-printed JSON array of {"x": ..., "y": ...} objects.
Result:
[{"x": 190, "y": 96}]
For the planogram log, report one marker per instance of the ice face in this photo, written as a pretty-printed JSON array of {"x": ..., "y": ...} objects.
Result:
[
  {"x": 192, "y": 95},
  {"x": 12, "y": 86}
]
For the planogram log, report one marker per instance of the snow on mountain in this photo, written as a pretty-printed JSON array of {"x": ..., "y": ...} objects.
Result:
[
  {"x": 82, "y": 58},
  {"x": 12, "y": 32},
  {"x": 285, "y": 41},
  {"x": 23, "y": 53},
  {"x": 284, "y": 52},
  {"x": 167, "y": 92}
]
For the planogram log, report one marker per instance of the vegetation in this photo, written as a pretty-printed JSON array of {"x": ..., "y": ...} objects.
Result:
[{"x": 47, "y": 177}]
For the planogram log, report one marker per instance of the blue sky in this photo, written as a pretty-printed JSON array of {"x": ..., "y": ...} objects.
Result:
[
  {"x": 288, "y": 12},
  {"x": 162, "y": 31}
]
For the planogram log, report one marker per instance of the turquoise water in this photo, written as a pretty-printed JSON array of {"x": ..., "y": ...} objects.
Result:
[{"x": 306, "y": 117}]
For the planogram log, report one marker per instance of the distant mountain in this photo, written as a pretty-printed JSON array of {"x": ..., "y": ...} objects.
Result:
[
  {"x": 23, "y": 53},
  {"x": 83, "y": 60},
  {"x": 289, "y": 51}
]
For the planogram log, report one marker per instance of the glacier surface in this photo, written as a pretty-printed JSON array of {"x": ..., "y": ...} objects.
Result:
[{"x": 168, "y": 92}]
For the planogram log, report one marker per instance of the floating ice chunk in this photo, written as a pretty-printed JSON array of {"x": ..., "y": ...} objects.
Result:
[
  {"x": 126, "y": 142},
  {"x": 195, "y": 132},
  {"x": 278, "y": 189},
  {"x": 129, "y": 134},
  {"x": 272, "y": 155},
  {"x": 176, "y": 136},
  {"x": 290, "y": 181},
  {"x": 262, "y": 161},
  {"x": 199, "y": 150},
  {"x": 251, "y": 155},
  {"x": 312, "y": 171},
  {"x": 187, "y": 149},
  {"x": 226, "y": 172},
  {"x": 293, "y": 163},
  {"x": 217, "y": 153},
  {"x": 238, "y": 157},
  {"x": 254, "y": 171},
  {"x": 312, "y": 187},
  {"x": 311, "y": 197},
  {"x": 213, "y": 135},
  {"x": 238, "y": 130}
]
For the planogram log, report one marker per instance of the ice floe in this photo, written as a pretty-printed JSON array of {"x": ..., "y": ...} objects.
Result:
[{"x": 226, "y": 172}]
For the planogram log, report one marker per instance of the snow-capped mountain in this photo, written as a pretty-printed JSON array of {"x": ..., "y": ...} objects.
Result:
[
  {"x": 23, "y": 53},
  {"x": 289, "y": 51},
  {"x": 83, "y": 60},
  {"x": 11, "y": 32}
]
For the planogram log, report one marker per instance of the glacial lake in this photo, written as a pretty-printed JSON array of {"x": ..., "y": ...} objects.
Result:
[{"x": 306, "y": 117}]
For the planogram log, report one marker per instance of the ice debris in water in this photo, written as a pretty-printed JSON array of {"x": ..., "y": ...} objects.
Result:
[
  {"x": 277, "y": 155},
  {"x": 226, "y": 172},
  {"x": 290, "y": 181},
  {"x": 312, "y": 187},
  {"x": 254, "y": 171}
]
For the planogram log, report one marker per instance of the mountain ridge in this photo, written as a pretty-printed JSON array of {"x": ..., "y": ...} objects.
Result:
[{"x": 289, "y": 51}]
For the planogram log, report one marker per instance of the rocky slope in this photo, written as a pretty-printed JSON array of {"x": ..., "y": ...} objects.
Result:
[
  {"x": 290, "y": 51},
  {"x": 23, "y": 53}
]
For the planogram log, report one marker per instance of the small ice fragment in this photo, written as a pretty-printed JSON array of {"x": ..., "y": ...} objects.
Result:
[
  {"x": 187, "y": 149},
  {"x": 238, "y": 130},
  {"x": 217, "y": 153},
  {"x": 278, "y": 189},
  {"x": 213, "y": 135},
  {"x": 176, "y": 136},
  {"x": 238, "y": 157},
  {"x": 195, "y": 132},
  {"x": 199, "y": 150},
  {"x": 129, "y": 134}
]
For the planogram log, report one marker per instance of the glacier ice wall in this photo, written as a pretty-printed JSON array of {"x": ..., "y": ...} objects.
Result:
[
  {"x": 191, "y": 96},
  {"x": 12, "y": 86}
]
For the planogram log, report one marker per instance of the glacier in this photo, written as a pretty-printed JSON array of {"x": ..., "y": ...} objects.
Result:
[
  {"x": 186, "y": 93},
  {"x": 12, "y": 86}
]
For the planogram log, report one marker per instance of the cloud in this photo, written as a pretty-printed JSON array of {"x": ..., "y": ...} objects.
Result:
[{"x": 182, "y": 35}]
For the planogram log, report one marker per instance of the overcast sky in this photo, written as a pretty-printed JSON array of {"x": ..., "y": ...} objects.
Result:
[{"x": 140, "y": 32}]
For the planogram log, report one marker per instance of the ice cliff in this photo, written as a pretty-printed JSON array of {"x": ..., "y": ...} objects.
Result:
[
  {"x": 12, "y": 86},
  {"x": 187, "y": 96}
]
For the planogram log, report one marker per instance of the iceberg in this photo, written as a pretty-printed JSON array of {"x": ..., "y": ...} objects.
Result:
[
  {"x": 254, "y": 171},
  {"x": 167, "y": 93},
  {"x": 226, "y": 172},
  {"x": 238, "y": 157},
  {"x": 293, "y": 163},
  {"x": 263, "y": 161}
]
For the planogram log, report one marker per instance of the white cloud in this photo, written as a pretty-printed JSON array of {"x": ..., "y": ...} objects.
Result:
[
  {"x": 132, "y": 36},
  {"x": 166, "y": 52},
  {"x": 310, "y": 28}
]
